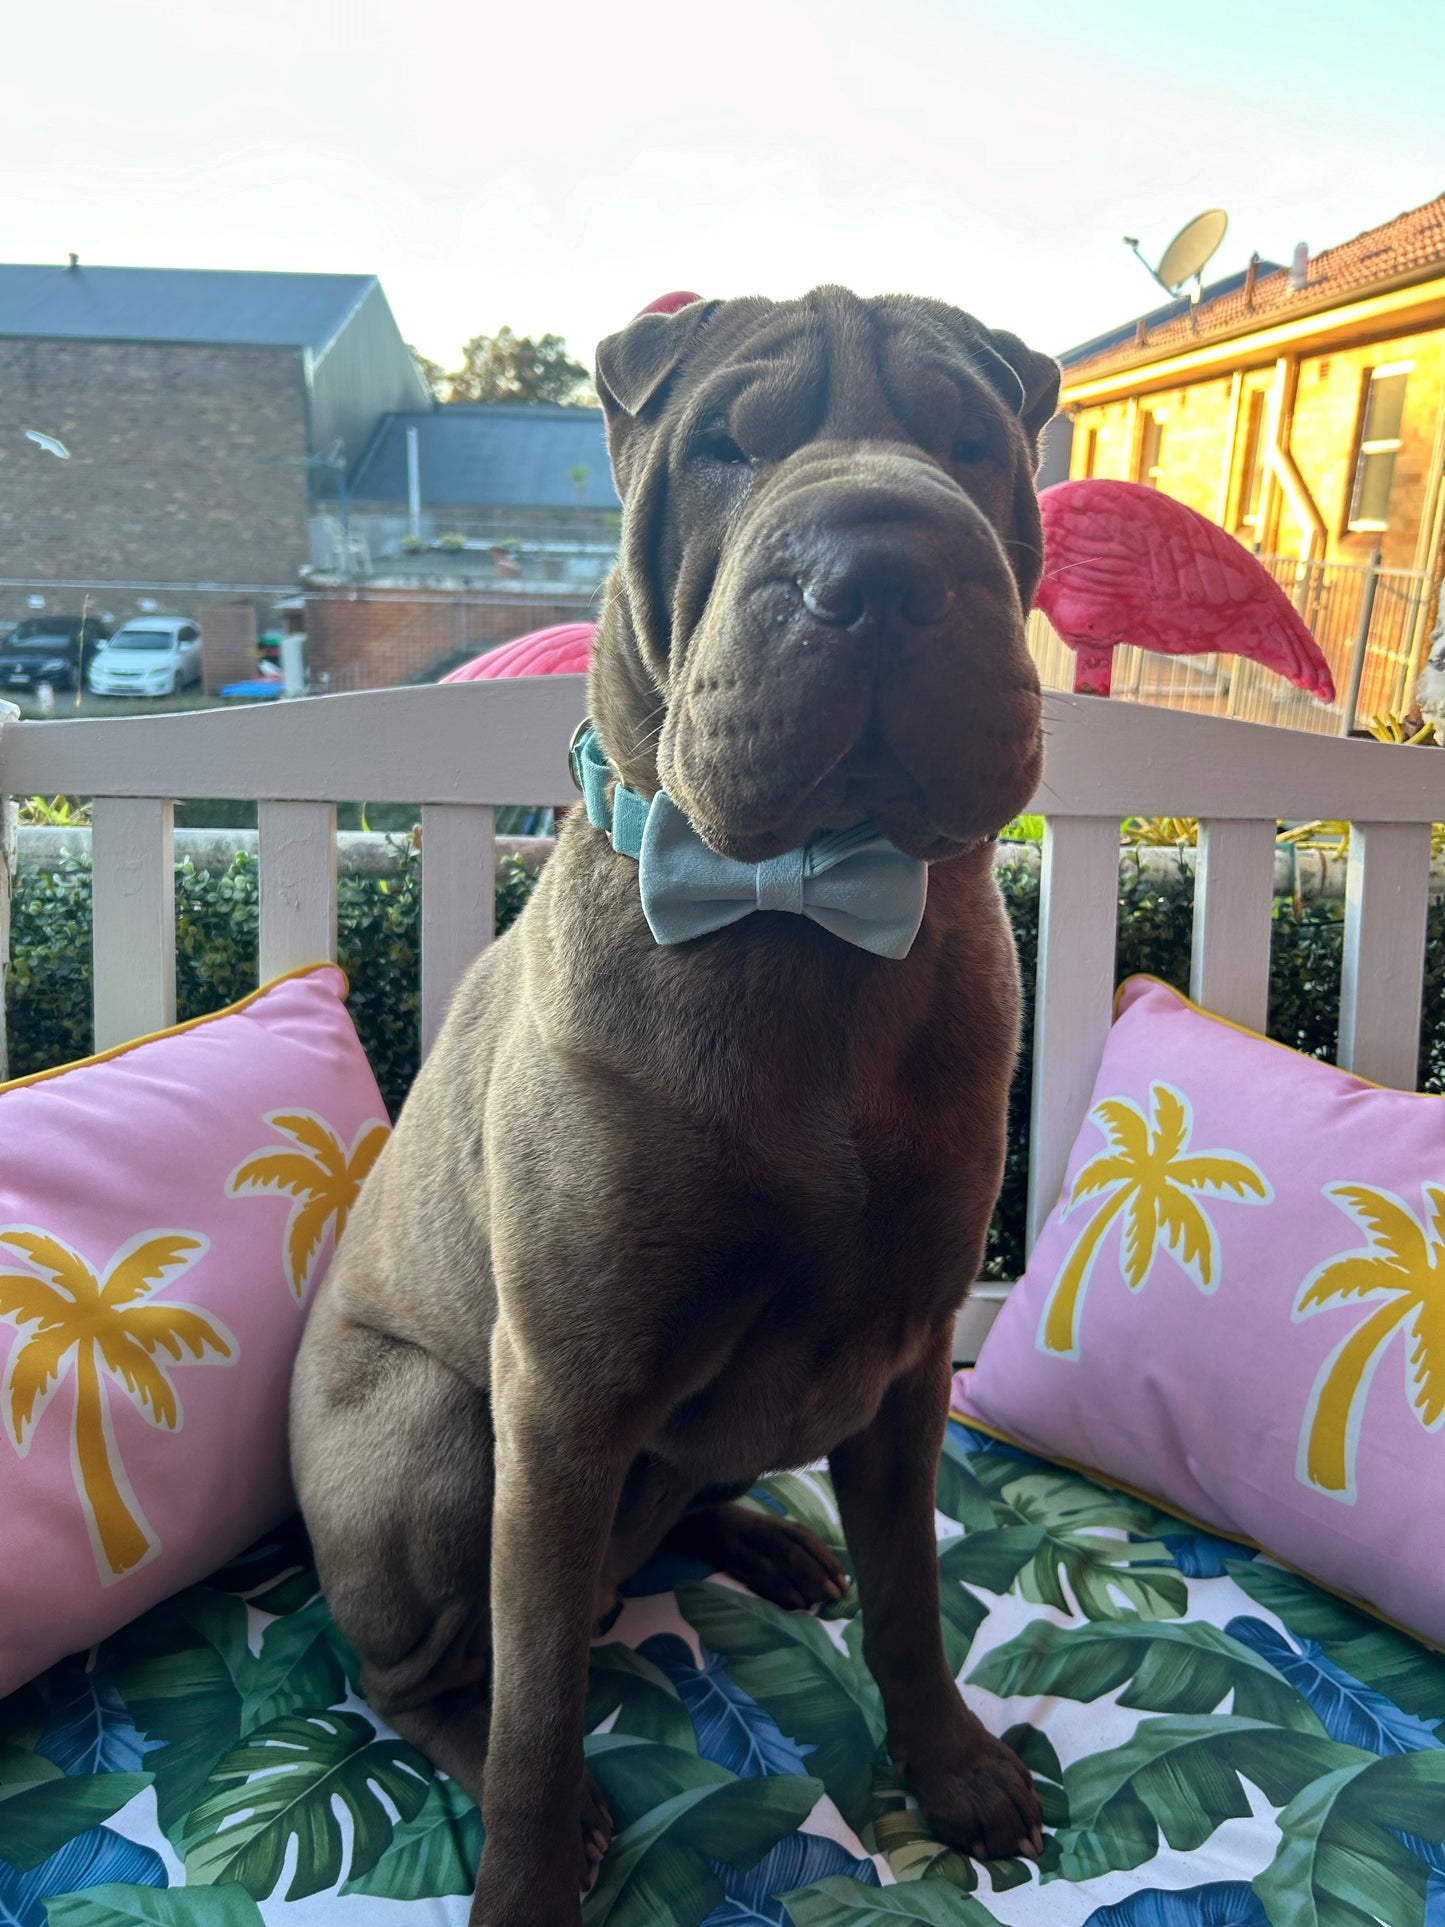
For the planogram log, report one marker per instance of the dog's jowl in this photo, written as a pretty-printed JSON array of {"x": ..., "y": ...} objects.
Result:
[{"x": 701, "y": 1166}]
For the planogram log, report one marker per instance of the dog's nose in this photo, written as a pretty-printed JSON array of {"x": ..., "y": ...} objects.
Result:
[{"x": 886, "y": 575}]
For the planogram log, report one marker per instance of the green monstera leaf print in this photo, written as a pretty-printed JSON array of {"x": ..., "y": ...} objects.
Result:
[
  {"x": 1341, "y": 1860},
  {"x": 657, "y": 1869},
  {"x": 819, "y": 1697},
  {"x": 437, "y": 1852},
  {"x": 840, "y": 1902},
  {"x": 117, "y": 1904},
  {"x": 279, "y": 1785},
  {"x": 1391, "y": 1662},
  {"x": 1180, "y": 1778},
  {"x": 1163, "y": 1667},
  {"x": 637, "y": 1696},
  {"x": 1051, "y": 1528}
]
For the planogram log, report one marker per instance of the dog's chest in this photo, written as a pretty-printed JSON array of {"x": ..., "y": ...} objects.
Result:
[{"x": 844, "y": 1302}]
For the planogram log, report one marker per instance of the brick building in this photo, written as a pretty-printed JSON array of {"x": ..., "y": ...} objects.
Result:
[
  {"x": 206, "y": 415},
  {"x": 375, "y": 633},
  {"x": 1301, "y": 408},
  {"x": 1277, "y": 372}
]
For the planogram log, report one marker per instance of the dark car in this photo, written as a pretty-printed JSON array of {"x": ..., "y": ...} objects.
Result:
[{"x": 49, "y": 649}]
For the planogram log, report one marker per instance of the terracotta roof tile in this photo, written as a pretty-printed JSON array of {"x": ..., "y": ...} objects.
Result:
[{"x": 1411, "y": 241}]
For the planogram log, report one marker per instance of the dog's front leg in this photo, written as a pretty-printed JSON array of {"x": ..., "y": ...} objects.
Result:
[
  {"x": 975, "y": 1791},
  {"x": 560, "y": 1470}
]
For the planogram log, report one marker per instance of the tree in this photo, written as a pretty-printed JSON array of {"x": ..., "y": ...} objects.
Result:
[{"x": 511, "y": 367}]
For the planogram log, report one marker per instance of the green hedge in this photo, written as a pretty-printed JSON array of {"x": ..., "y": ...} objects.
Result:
[
  {"x": 47, "y": 997},
  {"x": 48, "y": 994}
]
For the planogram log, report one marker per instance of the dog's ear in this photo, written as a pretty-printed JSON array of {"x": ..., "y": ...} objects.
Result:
[
  {"x": 1037, "y": 377},
  {"x": 633, "y": 365}
]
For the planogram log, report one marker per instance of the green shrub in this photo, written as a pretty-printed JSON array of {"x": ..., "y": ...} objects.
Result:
[
  {"x": 48, "y": 995},
  {"x": 48, "y": 990}
]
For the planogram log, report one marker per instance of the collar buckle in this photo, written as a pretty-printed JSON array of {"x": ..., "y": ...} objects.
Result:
[{"x": 574, "y": 749}]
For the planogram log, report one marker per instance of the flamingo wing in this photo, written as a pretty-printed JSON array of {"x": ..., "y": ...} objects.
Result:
[
  {"x": 1178, "y": 583},
  {"x": 1097, "y": 565}
]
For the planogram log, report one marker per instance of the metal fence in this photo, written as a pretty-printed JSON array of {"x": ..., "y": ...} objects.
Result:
[{"x": 1369, "y": 622}]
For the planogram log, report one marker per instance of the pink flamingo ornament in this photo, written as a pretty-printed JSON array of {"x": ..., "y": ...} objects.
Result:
[
  {"x": 1125, "y": 564},
  {"x": 564, "y": 650}
]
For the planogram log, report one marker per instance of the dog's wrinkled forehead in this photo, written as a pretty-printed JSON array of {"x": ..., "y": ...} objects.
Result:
[{"x": 784, "y": 366}]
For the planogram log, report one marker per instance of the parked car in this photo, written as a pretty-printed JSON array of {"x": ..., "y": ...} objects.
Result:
[
  {"x": 148, "y": 656},
  {"x": 49, "y": 649}
]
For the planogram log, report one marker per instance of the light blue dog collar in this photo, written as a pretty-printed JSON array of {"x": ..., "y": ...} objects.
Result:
[{"x": 852, "y": 882}]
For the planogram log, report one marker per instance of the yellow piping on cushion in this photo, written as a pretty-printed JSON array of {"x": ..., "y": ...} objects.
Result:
[
  {"x": 175, "y": 1030},
  {"x": 1143, "y": 977}
]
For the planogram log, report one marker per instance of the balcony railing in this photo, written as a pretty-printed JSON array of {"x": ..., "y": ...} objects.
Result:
[{"x": 1368, "y": 621}]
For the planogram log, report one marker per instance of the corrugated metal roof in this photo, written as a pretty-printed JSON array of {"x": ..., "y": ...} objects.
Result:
[
  {"x": 1412, "y": 244},
  {"x": 179, "y": 304},
  {"x": 512, "y": 455}
]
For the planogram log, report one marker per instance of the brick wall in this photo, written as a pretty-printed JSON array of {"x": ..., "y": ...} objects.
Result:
[
  {"x": 375, "y": 638},
  {"x": 172, "y": 475},
  {"x": 1195, "y": 446},
  {"x": 228, "y": 644}
]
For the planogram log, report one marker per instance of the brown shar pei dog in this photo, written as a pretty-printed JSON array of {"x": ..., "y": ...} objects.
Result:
[{"x": 659, "y": 1217}]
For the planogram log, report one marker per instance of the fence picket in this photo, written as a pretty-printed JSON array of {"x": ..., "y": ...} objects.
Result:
[
  {"x": 1073, "y": 993},
  {"x": 1387, "y": 889},
  {"x": 458, "y": 867},
  {"x": 297, "y": 885},
  {"x": 133, "y": 898},
  {"x": 1233, "y": 895}
]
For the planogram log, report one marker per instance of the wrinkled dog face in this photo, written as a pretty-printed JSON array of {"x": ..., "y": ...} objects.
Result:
[{"x": 831, "y": 543}]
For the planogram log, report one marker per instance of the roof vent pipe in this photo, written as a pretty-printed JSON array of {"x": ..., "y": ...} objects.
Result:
[{"x": 1299, "y": 271}]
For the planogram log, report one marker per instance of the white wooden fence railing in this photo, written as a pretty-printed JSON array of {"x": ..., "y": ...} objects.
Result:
[{"x": 462, "y": 750}]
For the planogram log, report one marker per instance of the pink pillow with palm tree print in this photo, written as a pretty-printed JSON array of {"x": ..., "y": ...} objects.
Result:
[
  {"x": 165, "y": 1213},
  {"x": 1238, "y": 1306}
]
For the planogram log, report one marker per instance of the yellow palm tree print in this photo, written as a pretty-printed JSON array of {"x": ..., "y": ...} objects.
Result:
[
  {"x": 1149, "y": 1176},
  {"x": 104, "y": 1327},
  {"x": 1401, "y": 1273},
  {"x": 323, "y": 1177}
]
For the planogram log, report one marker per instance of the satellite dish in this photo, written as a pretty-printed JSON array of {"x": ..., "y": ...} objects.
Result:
[{"x": 1189, "y": 253}]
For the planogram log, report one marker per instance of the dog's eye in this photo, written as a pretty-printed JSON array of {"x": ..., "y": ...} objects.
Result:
[
  {"x": 714, "y": 444},
  {"x": 968, "y": 449}
]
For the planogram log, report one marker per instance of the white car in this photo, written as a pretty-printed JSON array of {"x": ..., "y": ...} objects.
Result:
[{"x": 149, "y": 656}]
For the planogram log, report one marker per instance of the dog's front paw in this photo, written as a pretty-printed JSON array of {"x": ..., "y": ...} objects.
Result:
[
  {"x": 778, "y": 1559},
  {"x": 979, "y": 1797}
]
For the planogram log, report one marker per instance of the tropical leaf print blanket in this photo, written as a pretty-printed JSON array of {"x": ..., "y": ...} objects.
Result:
[{"x": 1217, "y": 1741}]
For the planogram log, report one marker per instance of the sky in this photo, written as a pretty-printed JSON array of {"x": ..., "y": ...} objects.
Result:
[{"x": 554, "y": 167}]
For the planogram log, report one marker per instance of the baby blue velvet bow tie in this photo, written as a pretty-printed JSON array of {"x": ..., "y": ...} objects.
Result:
[{"x": 853, "y": 882}]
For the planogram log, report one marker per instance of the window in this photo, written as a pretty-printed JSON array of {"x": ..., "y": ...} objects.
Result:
[
  {"x": 1251, "y": 468},
  {"x": 1151, "y": 442},
  {"x": 1380, "y": 421}
]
